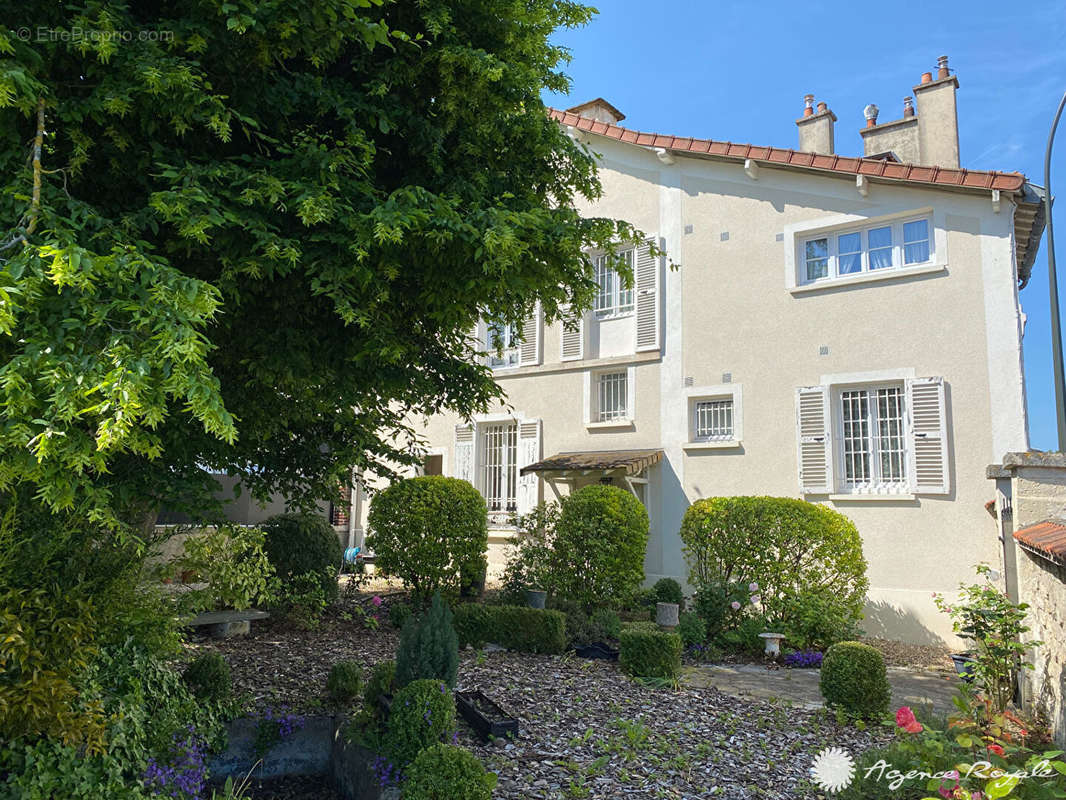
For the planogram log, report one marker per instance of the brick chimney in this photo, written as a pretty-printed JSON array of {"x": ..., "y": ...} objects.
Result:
[
  {"x": 599, "y": 110},
  {"x": 938, "y": 119},
  {"x": 816, "y": 127}
]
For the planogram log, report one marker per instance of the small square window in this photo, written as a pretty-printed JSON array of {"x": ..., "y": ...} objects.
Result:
[
  {"x": 612, "y": 396},
  {"x": 714, "y": 420}
]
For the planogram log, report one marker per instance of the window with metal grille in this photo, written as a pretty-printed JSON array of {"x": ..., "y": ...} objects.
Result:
[
  {"x": 714, "y": 420},
  {"x": 613, "y": 393},
  {"x": 872, "y": 438},
  {"x": 612, "y": 297},
  {"x": 499, "y": 466}
]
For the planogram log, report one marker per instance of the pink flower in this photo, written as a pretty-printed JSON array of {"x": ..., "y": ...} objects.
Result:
[
  {"x": 905, "y": 719},
  {"x": 753, "y": 587},
  {"x": 735, "y": 605},
  {"x": 995, "y": 748},
  {"x": 376, "y": 601},
  {"x": 755, "y": 599}
]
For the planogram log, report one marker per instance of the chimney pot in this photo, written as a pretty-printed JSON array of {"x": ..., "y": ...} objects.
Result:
[
  {"x": 942, "y": 67},
  {"x": 808, "y": 105},
  {"x": 927, "y": 77},
  {"x": 908, "y": 107},
  {"x": 870, "y": 112},
  {"x": 822, "y": 108},
  {"x": 816, "y": 129}
]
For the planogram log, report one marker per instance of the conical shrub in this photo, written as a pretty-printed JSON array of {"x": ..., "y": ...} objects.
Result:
[{"x": 429, "y": 647}]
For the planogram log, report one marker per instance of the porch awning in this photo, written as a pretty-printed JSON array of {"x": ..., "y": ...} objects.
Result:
[{"x": 628, "y": 462}]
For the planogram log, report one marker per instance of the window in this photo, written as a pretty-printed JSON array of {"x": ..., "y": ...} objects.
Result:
[
  {"x": 714, "y": 420},
  {"x": 501, "y": 341},
  {"x": 612, "y": 396},
  {"x": 611, "y": 296},
  {"x": 872, "y": 438},
  {"x": 499, "y": 466},
  {"x": 900, "y": 244}
]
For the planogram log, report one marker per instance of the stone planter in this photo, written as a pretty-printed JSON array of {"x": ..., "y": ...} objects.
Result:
[
  {"x": 666, "y": 614},
  {"x": 773, "y": 644},
  {"x": 536, "y": 598}
]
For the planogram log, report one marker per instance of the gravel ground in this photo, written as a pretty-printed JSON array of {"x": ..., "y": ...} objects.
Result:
[
  {"x": 914, "y": 656},
  {"x": 587, "y": 731}
]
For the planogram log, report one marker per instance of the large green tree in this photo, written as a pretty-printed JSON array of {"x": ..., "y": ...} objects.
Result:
[{"x": 252, "y": 236}]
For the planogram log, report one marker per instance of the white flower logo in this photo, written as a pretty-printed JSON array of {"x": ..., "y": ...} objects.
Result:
[{"x": 833, "y": 769}]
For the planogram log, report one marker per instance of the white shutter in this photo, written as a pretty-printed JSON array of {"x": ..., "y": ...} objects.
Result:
[
  {"x": 528, "y": 453},
  {"x": 464, "y": 452},
  {"x": 928, "y": 435},
  {"x": 813, "y": 432},
  {"x": 530, "y": 352},
  {"x": 573, "y": 348},
  {"x": 647, "y": 285}
]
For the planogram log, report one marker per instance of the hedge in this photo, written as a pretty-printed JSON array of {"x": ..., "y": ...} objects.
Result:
[
  {"x": 304, "y": 544},
  {"x": 784, "y": 545},
  {"x": 647, "y": 653},
  {"x": 527, "y": 630},
  {"x": 853, "y": 679}
]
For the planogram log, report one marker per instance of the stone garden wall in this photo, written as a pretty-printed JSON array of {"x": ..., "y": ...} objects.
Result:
[{"x": 1042, "y": 585}]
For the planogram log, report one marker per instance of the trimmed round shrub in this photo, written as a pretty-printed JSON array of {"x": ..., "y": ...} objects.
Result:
[
  {"x": 447, "y": 772},
  {"x": 781, "y": 544},
  {"x": 431, "y": 532},
  {"x": 299, "y": 544},
  {"x": 345, "y": 681},
  {"x": 422, "y": 714},
  {"x": 649, "y": 653},
  {"x": 208, "y": 677},
  {"x": 382, "y": 682},
  {"x": 667, "y": 590},
  {"x": 601, "y": 538},
  {"x": 853, "y": 679}
]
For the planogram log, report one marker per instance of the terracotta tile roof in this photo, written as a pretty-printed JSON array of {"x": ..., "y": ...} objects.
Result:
[
  {"x": 1047, "y": 539},
  {"x": 871, "y": 167},
  {"x": 632, "y": 461}
]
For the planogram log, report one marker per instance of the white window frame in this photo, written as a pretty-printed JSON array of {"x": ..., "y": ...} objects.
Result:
[
  {"x": 497, "y": 517},
  {"x": 700, "y": 394},
  {"x": 832, "y": 239},
  {"x": 508, "y": 357},
  {"x": 592, "y": 395},
  {"x": 875, "y": 483},
  {"x": 621, "y": 302}
]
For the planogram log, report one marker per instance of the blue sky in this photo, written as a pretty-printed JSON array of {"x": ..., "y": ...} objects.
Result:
[{"x": 738, "y": 71}]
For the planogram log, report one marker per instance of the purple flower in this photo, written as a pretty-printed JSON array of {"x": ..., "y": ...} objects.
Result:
[
  {"x": 376, "y": 601},
  {"x": 735, "y": 605},
  {"x": 804, "y": 658},
  {"x": 755, "y": 599},
  {"x": 753, "y": 587}
]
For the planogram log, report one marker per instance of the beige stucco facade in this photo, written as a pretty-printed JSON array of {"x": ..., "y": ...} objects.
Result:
[{"x": 736, "y": 320}]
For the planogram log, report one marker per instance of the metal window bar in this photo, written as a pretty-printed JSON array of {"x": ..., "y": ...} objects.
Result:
[
  {"x": 854, "y": 414},
  {"x": 714, "y": 419},
  {"x": 889, "y": 443},
  {"x": 874, "y": 447},
  {"x": 500, "y": 467},
  {"x": 613, "y": 402}
]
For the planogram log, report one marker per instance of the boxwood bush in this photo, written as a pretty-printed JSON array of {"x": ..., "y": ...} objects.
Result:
[
  {"x": 422, "y": 714},
  {"x": 853, "y": 679},
  {"x": 667, "y": 590},
  {"x": 431, "y": 532},
  {"x": 208, "y": 677},
  {"x": 447, "y": 772},
  {"x": 783, "y": 545},
  {"x": 648, "y": 653},
  {"x": 304, "y": 544},
  {"x": 601, "y": 538},
  {"x": 528, "y": 630},
  {"x": 345, "y": 681}
]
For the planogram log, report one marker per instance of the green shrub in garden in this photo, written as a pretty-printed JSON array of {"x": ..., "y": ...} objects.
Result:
[
  {"x": 723, "y": 606},
  {"x": 531, "y": 562},
  {"x": 600, "y": 541},
  {"x": 399, "y": 613},
  {"x": 784, "y": 545},
  {"x": 814, "y": 620},
  {"x": 302, "y": 544},
  {"x": 345, "y": 681},
  {"x": 382, "y": 682},
  {"x": 208, "y": 677},
  {"x": 430, "y": 532},
  {"x": 447, "y": 772},
  {"x": 649, "y": 653},
  {"x": 527, "y": 630},
  {"x": 233, "y": 562},
  {"x": 853, "y": 679},
  {"x": 600, "y": 626},
  {"x": 422, "y": 714},
  {"x": 667, "y": 590},
  {"x": 691, "y": 628},
  {"x": 429, "y": 647}
]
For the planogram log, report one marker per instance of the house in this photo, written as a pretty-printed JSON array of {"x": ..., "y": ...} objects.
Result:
[{"x": 842, "y": 329}]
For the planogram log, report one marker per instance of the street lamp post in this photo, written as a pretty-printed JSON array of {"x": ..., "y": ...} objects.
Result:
[{"x": 1053, "y": 287}]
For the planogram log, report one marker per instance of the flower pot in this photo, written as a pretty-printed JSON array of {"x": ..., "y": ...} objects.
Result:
[
  {"x": 964, "y": 664},
  {"x": 536, "y": 598},
  {"x": 773, "y": 644},
  {"x": 666, "y": 614},
  {"x": 485, "y": 716}
]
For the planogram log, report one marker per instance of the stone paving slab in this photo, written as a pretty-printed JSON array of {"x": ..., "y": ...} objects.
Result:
[{"x": 800, "y": 686}]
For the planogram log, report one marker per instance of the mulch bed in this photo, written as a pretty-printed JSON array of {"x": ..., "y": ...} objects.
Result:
[{"x": 933, "y": 658}]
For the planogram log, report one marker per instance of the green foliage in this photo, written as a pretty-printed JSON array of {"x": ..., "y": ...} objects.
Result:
[
  {"x": 429, "y": 647},
  {"x": 225, "y": 273},
  {"x": 46, "y": 768},
  {"x": 724, "y": 606},
  {"x": 648, "y": 653},
  {"x": 853, "y": 679},
  {"x": 399, "y": 613},
  {"x": 304, "y": 544},
  {"x": 301, "y": 599},
  {"x": 600, "y": 626},
  {"x": 744, "y": 636},
  {"x": 785, "y": 546},
  {"x": 691, "y": 628},
  {"x": 531, "y": 562},
  {"x": 232, "y": 561},
  {"x": 208, "y": 677},
  {"x": 815, "y": 620},
  {"x": 382, "y": 682},
  {"x": 527, "y": 630},
  {"x": 429, "y": 531},
  {"x": 345, "y": 682},
  {"x": 423, "y": 713},
  {"x": 987, "y": 617},
  {"x": 447, "y": 772},
  {"x": 667, "y": 590},
  {"x": 601, "y": 538}
]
